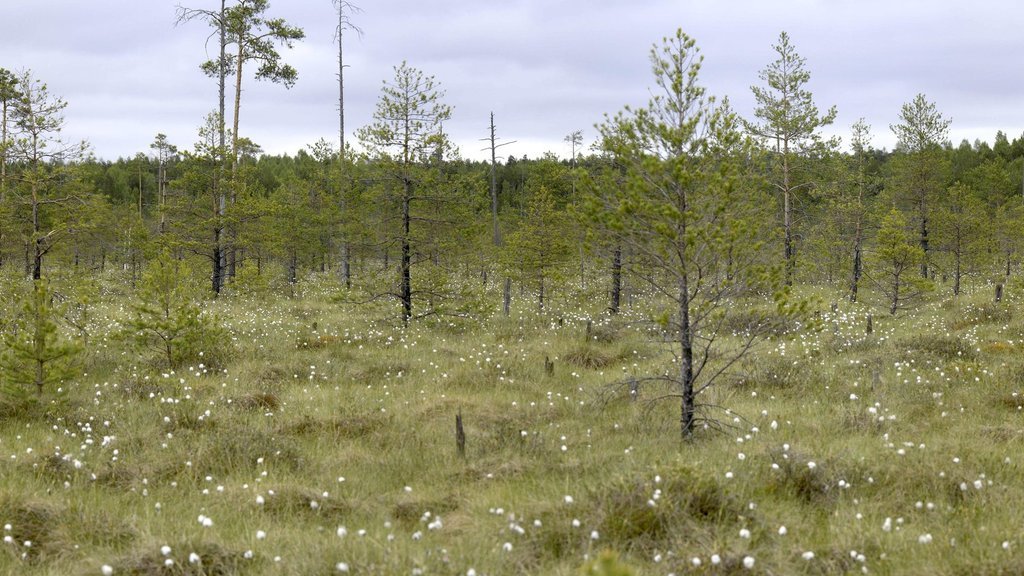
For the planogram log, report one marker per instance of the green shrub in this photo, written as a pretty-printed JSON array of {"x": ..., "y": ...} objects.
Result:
[
  {"x": 167, "y": 318},
  {"x": 36, "y": 355}
]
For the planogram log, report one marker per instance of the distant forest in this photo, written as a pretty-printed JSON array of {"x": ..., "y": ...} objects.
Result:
[{"x": 402, "y": 216}]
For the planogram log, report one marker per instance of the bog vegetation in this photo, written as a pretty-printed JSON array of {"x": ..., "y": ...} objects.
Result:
[{"x": 704, "y": 345}]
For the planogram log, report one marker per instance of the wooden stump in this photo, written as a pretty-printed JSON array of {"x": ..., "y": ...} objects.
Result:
[{"x": 460, "y": 436}]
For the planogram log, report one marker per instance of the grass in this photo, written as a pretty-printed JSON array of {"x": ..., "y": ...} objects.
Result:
[{"x": 325, "y": 442}]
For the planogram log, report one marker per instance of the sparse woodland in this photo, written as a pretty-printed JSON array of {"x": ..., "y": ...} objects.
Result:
[{"x": 698, "y": 344}]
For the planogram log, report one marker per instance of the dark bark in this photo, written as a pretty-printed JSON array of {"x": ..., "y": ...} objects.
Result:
[
  {"x": 616, "y": 293},
  {"x": 924, "y": 243},
  {"x": 460, "y": 435},
  {"x": 494, "y": 189},
  {"x": 540, "y": 294},
  {"x": 346, "y": 265},
  {"x": 855, "y": 283},
  {"x": 217, "y": 262},
  {"x": 687, "y": 408},
  {"x": 406, "y": 287},
  {"x": 957, "y": 274}
]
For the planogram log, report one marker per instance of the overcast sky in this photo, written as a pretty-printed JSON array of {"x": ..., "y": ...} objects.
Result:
[{"x": 545, "y": 67}]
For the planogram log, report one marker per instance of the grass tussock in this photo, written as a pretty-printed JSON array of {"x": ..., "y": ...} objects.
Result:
[
  {"x": 257, "y": 401},
  {"x": 234, "y": 449},
  {"x": 412, "y": 512},
  {"x": 188, "y": 559},
  {"x": 314, "y": 450},
  {"x": 803, "y": 478},
  {"x": 980, "y": 314},
  {"x": 941, "y": 346},
  {"x": 589, "y": 357},
  {"x": 35, "y": 531},
  {"x": 342, "y": 427},
  {"x": 298, "y": 502}
]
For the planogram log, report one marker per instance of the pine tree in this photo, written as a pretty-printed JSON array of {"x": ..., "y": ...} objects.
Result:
[
  {"x": 893, "y": 262},
  {"x": 679, "y": 209},
  {"x": 36, "y": 354},
  {"x": 404, "y": 139},
  {"x": 920, "y": 171},
  {"x": 788, "y": 124},
  {"x": 167, "y": 318}
]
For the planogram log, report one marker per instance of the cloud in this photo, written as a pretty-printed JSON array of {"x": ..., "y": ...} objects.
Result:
[{"x": 545, "y": 67}]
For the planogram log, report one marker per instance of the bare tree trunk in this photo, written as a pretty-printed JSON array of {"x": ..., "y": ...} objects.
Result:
[
  {"x": 140, "y": 188},
  {"x": 540, "y": 294},
  {"x": 341, "y": 82},
  {"x": 3, "y": 150},
  {"x": 406, "y": 255},
  {"x": 37, "y": 260},
  {"x": 343, "y": 23},
  {"x": 218, "y": 260},
  {"x": 788, "y": 224},
  {"x": 162, "y": 194},
  {"x": 616, "y": 293},
  {"x": 787, "y": 215},
  {"x": 221, "y": 207},
  {"x": 496, "y": 235},
  {"x": 957, "y": 273},
  {"x": 231, "y": 249},
  {"x": 924, "y": 238},
  {"x": 857, "y": 269},
  {"x": 687, "y": 397}
]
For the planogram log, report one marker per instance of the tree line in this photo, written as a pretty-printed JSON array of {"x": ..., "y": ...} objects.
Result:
[{"x": 680, "y": 197}]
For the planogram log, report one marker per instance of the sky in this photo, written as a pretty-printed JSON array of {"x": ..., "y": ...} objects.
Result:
[{"x": 545, "y": 68}]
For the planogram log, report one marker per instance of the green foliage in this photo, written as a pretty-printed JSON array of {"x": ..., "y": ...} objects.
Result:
[
  {"x": 683, "y": 210},
  {"x": 893, "y": 264},
  {"x": 252, "y": 282},
  {"x": 81, "y": 295},
  {"x": 1007, "y": 224},
  {"x": 36, "y": 354},
  {"x": 788, "y": 126},
  {"x": 607, "y": 563},
  {"x": 920, "y": 169},
  {"x": 534, "y": 251},
  {"x": 965, "y": 238},
  {"x": 167, "y": 318}
]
